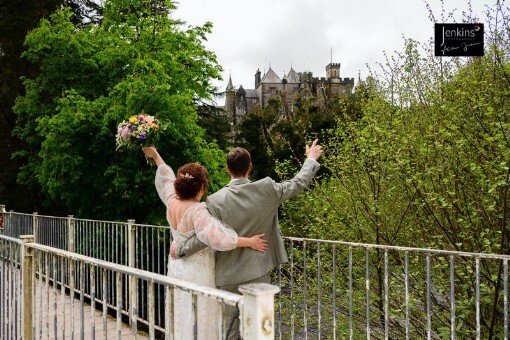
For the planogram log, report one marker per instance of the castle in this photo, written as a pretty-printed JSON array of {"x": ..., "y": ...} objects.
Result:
[{"x": 242, "y": 101}]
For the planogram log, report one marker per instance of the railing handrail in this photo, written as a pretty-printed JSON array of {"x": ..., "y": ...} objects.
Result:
[
  {"x": 311, "y": 240},
  {"x": 11, "y": 239},
  {"x": 413, "y": 249},
  {"x": 31, "y": 214},
  {"x": 213, "y": 293}
]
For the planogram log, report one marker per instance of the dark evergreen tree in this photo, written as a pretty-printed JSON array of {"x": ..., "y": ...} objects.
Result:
[{"x": 17, "y": 18}]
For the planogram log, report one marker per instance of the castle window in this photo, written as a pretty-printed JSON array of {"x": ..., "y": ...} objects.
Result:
[{"x": 272, "y": 90}]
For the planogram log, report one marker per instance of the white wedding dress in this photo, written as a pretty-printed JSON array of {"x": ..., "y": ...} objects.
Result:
[{"x": 198, "y": 268}]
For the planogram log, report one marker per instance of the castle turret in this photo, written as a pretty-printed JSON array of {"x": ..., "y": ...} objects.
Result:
[
  {"x": 257, "y": 79},
  {"x": 230, "y": 100}
]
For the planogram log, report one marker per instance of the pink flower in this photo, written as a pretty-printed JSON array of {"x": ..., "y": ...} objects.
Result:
[{"x": 124, "y": 134}]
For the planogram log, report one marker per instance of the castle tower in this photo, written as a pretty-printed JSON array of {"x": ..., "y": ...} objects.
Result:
[
  {"x": 333, "y": 71},
  {"x": 257, "y": 79},
  {"x": 230, "y": 100},
  {"x": 333, "y": 78}
]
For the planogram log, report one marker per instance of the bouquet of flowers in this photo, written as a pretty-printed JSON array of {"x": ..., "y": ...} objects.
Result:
[{"x": 138, "y": 131}]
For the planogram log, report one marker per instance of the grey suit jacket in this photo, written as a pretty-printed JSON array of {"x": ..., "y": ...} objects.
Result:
[{"x": 251, "y": 208}]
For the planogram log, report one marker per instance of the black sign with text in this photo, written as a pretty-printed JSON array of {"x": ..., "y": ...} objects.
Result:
[{"x": 458, "y": 40}]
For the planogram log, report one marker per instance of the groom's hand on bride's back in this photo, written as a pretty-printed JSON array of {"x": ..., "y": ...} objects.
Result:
[{"x": 314, "y": 151}]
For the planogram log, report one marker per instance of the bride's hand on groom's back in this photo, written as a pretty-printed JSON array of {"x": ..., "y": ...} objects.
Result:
[
  {"x": 172, "y": 250},
  {"x": 257, "y": 242}
]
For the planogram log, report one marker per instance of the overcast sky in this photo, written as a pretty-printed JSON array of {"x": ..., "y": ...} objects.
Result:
[{"x": 251, "y": 35}]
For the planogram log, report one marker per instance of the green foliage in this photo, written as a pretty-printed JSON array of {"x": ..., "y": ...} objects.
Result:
[
  {"x": 435, "y": 159},
  {"x": 425, "y": 164},
  {"x": 93, "y": 77}
]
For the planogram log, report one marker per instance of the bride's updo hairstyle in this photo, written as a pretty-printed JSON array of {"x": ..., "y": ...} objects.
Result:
[{"x": 190, "y": 179}]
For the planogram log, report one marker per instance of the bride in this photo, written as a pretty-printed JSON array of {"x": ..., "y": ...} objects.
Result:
[{"x": 181, "y": 195}]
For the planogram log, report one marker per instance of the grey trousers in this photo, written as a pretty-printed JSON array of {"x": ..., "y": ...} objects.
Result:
[{"x": 231, "y": 320}]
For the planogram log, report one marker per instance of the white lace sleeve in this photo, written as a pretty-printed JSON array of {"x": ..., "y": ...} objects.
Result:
[
  {"x": 212, "y": 231},
  {"x": 165, "y": 179}
]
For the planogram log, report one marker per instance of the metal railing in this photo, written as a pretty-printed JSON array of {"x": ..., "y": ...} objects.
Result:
[
  {"x": 139, "y": 246},
  {"x": 35, "y": 277},
  {"x": 333, "y": 289},
  {"x": 10, "y": 283}
]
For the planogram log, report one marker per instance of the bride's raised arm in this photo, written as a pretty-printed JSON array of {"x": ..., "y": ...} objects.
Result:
[
  {"x": 165, "y": 176},
  {"x": 165, "y": 179}
]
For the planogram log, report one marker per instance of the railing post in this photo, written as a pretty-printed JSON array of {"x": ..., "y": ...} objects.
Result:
[
  {"x": 10, "y": 228},
  {"x": 70, "y": 234},
  {"x": 27, "y": 299},
  {"x": 2, "y": 211},
  {"x": 133, "y": 282},
  {"x": 257, "y": 312},
  {"x": 131, "y": 243},
  {"x": 36, "y": 227}
]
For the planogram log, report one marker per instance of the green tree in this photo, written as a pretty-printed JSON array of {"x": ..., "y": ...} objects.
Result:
[
  {"x": 92, "y": 77},
  {"x": 214, "y": 121}
]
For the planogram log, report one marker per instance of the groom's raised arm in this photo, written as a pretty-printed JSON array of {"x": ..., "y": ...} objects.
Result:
[
  {"x": 188, "y": 247},
  {"x": 302, "y": 179}
]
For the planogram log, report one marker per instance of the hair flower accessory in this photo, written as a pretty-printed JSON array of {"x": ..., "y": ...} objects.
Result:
[{"x": 186, "y": 175}]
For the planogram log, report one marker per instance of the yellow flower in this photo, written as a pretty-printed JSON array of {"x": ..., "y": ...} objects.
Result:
[{"x": 133, "y": 119}]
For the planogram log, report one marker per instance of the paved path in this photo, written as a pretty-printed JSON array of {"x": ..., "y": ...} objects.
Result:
[{"x": 52, "y": 319}]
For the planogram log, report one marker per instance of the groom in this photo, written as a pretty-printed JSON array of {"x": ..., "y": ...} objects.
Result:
[{"x": 250, "y": 208}]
